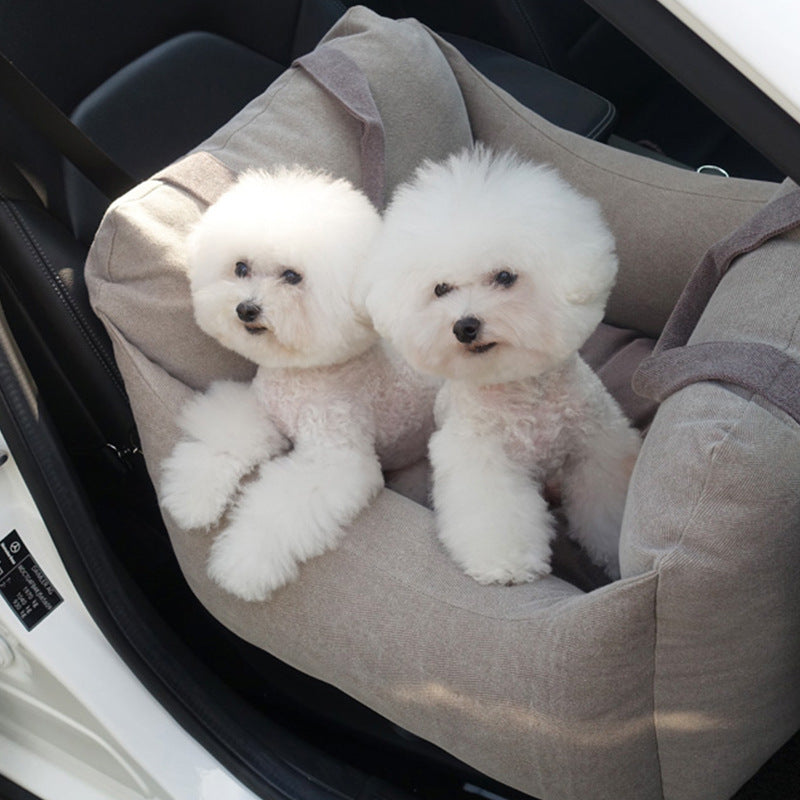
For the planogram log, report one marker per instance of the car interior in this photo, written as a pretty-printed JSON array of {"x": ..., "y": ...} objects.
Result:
[{"x": 146, "y": 82}]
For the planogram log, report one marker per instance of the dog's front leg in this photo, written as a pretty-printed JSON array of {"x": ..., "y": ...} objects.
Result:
[
  {"x": 297, "y": 509},
  {"x": 595, "y": 485},
  {"x": 226, "y": 434},
  {"x": 490, "y": 515}
]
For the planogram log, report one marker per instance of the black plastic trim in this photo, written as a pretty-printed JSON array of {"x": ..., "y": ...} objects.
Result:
[
  {"x": 249, "y": 745},
  {"x": 712, "y": 79},
  {"x": 12, "y": 791}
]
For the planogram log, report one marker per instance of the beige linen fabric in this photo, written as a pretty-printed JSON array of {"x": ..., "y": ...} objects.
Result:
[
  {"x": 714, "y": 508},
  {"x": 633, "y": 690}
]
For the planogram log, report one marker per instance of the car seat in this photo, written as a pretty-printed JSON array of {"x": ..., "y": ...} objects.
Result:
[{"x": 566, "y": 693}]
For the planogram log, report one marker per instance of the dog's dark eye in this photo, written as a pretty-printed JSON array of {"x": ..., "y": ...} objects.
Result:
[
  {"x": 290, "y": 276},
  {"x": 241, "y": 270},
  {"x": 442, "y": 289},
  {"x": 505, "y": 278}
]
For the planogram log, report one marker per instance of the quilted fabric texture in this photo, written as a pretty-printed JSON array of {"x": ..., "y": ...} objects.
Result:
[{"x": 676, "y": 681}]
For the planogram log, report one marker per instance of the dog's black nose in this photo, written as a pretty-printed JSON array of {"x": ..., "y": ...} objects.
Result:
[
  {"x": 466, "y": 329},
  {"x": 248, "y": 311}
]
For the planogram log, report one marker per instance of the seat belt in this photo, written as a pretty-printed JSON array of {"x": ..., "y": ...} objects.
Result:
[{"x": 43, "y": 114}]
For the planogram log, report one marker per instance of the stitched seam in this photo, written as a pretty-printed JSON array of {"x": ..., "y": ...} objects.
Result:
[
  {"x": 130, "y": 350},
  {"x": 607, "y": 117},
  {"x": 653, "y": 682},
  {"x": 61, "y": 292},
  {"x": 584, "y": 36},
  {"x": 532, "y": 28},
  {"x": 132, "y": 198},
  {"x": 664, "y": 560}
]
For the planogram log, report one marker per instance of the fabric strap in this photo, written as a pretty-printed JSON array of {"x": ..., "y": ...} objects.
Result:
[
  {"x": 760, "y": 368},
  {"x": 201, "y": 175},
  {"x": 205, "y": 177},
  {"x": 343, "y": 79}
]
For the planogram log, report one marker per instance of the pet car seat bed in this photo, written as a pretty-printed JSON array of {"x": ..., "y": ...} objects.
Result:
[{"x": 676, "y": 681}]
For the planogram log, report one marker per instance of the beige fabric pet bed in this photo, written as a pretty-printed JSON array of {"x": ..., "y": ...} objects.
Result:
[{"x": 676, "y": 681}]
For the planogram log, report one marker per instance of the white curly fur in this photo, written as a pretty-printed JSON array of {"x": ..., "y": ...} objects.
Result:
[
  {"x": 491, "y": 272},
  {"x": 329, "y": 405}
]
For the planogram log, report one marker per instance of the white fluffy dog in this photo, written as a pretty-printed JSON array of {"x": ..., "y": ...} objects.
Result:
[
  {"x": 492, "y": 272},
  {"x": 272, "y": 266}
]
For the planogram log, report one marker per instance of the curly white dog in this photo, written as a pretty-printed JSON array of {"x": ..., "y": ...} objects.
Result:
[
  {"x": 272, "y": 266},
  {"x": 491, "y": 272}
]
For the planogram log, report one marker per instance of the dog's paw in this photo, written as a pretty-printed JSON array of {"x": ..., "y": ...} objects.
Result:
[
  {"x": 496, "y": 553},
  {"x": 498, "y": 544},
  {"x": 509, "y": 575},
  {"x": 243, "y": 562},
  {"x": 196, "y": 487},
  {"x": 296, "y": 510}
]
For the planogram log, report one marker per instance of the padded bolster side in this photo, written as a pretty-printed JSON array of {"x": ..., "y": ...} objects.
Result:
[
  {"x": 714, "y": 507},
  {"x": 557, "y": 99}
]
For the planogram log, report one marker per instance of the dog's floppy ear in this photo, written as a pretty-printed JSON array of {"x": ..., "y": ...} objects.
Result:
[
  {"x": 358, "y": 300},
  {"x": 360, "y": 288},
  {"x": 589, "y": 259},
  {"x": 590, "y": 283}
]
